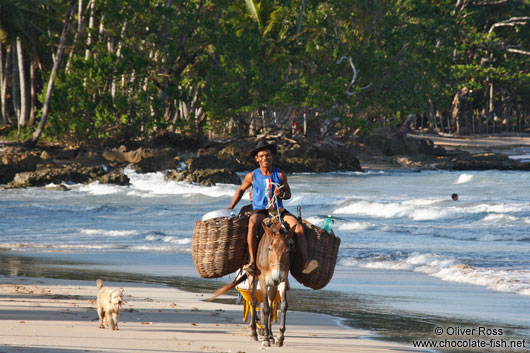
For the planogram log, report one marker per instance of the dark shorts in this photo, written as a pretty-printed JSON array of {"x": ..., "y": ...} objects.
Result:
[{"x": 266, "y": 213}]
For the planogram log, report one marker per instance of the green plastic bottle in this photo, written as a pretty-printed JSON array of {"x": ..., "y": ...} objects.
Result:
[{"x": 328, "y": 224}]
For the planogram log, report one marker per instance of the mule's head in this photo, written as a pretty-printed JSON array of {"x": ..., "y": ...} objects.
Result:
[{"x": 278, "y": 255}]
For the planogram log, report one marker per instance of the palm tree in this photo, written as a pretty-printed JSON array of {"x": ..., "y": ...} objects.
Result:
[
  {"x": 18, "y": 32},
  {"x": 58, "y": 58}
]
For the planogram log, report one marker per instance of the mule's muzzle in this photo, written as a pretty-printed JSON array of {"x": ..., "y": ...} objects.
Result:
[{"x": 277, "y": 276}]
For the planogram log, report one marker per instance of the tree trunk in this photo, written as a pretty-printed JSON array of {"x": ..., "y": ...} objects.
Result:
[
  {"x": 23, "y": 117},
  {"x": 455, "y": 114},
  {"x": 33, "y": 93},
  {"x": 80, "y": 20},
  {"x": 36, "y": 135},
  {"x": 490, "y": 107},
  {"x": 91, "y": 25},
  {"x": 300, "y": 17},
  {"x": 118, "y": 55},
  {"x": 4, "y": 84},
  {"x": 3, "y": 78},
  {"x": 15, "y": 84},
  {"x": 432, "y": 117}
]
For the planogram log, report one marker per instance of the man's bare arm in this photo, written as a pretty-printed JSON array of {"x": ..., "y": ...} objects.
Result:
[
  {"x": 285, "y": 192},
  {"x": 247, "y": 182}
]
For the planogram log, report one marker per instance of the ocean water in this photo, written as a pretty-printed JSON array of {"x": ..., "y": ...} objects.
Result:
[{"x": 405, "y": 243}]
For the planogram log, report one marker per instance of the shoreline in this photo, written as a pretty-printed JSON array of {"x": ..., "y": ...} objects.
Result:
[
  {"x": 52, "y": 315},
  {"x": 360, "y": 312}
]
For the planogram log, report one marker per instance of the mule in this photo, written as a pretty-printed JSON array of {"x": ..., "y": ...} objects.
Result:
[{"x": 273, "y": 262}]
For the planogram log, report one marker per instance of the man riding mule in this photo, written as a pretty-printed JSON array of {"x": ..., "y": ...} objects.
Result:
[{"x": 269, "y": 188}]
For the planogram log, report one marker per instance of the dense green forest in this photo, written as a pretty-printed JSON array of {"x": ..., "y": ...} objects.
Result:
[{"x": 88, "y": 69}]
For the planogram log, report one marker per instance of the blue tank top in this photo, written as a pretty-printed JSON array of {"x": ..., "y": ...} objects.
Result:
[{"x": 260, "y": 193}]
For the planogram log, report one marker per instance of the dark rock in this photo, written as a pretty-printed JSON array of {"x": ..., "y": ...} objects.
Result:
[
  {"x": 116, "y": 177},
  {"x": 398, "y": 145},
  {"x": 157, "y": 160},
  {"x": 318, "y": 159},
  {"x": 59, "y": 187},
  {"x": 213, "y": 160},
  {"x": 143, "y": 160},
  {"x": 56, "y": 175},
  {"x": 205, "y": 177},
  {"x": 461, "y": 160},
  {"x": 439, "y": 151}
]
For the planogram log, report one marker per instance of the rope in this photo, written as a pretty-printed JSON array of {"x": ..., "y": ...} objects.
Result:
[{"x": 274, "y": 201}]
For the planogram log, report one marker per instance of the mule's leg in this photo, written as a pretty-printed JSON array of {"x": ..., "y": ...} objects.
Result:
[
  {"x": 283, "y": 287},
  {"x": 253, "y": 303},
  {"x": 272, "y": 294},
  {"x": 265, "y": 314}
]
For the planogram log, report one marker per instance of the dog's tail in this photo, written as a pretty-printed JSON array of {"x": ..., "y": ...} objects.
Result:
[
  {"x": 228, "y": 286},
  {"x": 100, "y": 283}
]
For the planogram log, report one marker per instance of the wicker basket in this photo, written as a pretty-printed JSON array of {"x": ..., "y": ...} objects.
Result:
[
  {"x": 323, "y": 247},
  {"x": 219, "y": 246}
]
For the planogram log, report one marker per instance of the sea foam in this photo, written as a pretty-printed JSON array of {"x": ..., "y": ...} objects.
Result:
[
  {"x": 464, "y": 178},
  {"x": 450, "y": 269},
  {"x": 109, "y": 233}
]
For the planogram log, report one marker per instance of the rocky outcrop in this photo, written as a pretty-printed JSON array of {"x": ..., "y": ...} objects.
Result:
[
  {"x": 206, "y": 177},
  {"x": 213, "y": 162},
  {"x": 20, "y": 167},
  {"x": 143, "y": 160},
  {"x": 462, "y": 160},
  {"x": 397, "y": 149},
  {"x": 318, "y": 158},
  {"x": 212, "y": 158},
  {"x": 45, "y": 175}
]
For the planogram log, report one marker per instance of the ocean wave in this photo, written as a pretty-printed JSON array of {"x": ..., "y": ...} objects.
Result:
[
  {"x": 449, "y": 269},
  {"x": 66, "y": 247},
  {"x": 430, "y": 209},
  {"x": 161, "y": 248},
  {"x": 169, "y": 246},
  {"x": 346, "y": 226},
  {"x": 168, "y": 239},
  {"x": 98, "y": 189},
  {"x": 495, "y": 218},
  {"x": 408, "y": 209},
  {"x": 311, "y": 199},
  {"x": 493, "y": 208},
  {"x": 464, "y": 178},
  {"x": 109, "y": 233},
  {"x": 149, "y": 184}
]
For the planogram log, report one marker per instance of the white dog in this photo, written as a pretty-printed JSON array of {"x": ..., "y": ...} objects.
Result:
[{"x": 109, "y": 305}]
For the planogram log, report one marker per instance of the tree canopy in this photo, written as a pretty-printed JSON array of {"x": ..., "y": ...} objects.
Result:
[{"x": 131, "y": 68}]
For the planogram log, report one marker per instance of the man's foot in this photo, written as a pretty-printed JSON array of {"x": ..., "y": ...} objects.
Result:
[
  {"x": 251, "y": 269},
  {"x": 310, "y": 267}
]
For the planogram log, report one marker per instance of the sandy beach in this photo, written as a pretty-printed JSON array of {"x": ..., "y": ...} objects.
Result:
[{"x": 50, "y": 315}]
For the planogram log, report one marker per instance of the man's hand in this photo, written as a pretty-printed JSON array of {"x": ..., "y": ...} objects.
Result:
[{"x": 278, "y": 192}]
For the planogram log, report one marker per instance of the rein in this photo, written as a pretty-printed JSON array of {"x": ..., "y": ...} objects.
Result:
[{"x": 274, "y": 201}]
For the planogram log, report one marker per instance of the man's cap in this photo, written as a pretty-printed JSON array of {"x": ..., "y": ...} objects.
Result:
[{"x": 264, "y": 145}]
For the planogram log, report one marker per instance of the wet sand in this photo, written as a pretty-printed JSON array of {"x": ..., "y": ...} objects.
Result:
[{"x": 55, "y": 315}]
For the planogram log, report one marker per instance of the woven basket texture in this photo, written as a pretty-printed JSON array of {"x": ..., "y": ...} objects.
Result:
[
  {"x": 323, "y": 247},
  {"x": 219, "y": 246}
]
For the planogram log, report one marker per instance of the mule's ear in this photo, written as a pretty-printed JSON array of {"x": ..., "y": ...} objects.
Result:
[
  {"x": 269, "y": 231},
  {"x": 290, "y": 233}
]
